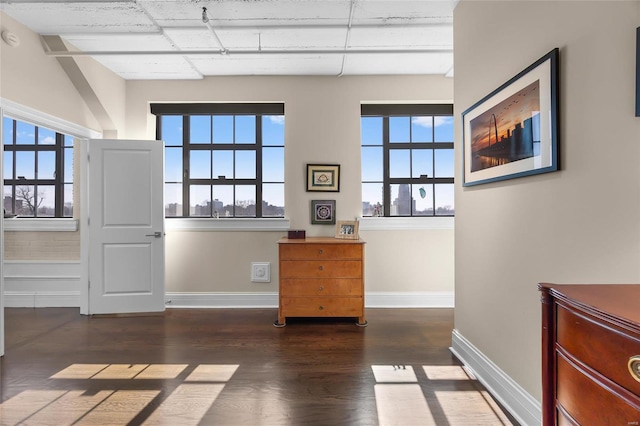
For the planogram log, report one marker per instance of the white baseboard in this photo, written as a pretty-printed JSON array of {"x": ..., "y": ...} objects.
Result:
[
  {"x": 41, "y": 284},
  {"x": 270, "y": 300},
  {"x": 426, "y": 299},
  {"x": 522, "y": 406},
  {"x": 221, "y": 300}
]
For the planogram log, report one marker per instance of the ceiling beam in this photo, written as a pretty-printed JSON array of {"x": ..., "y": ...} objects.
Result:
[{"x": 228, "y": 52}]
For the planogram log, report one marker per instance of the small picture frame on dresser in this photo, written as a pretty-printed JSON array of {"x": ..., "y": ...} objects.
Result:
[{"x": 347, "y": 229}]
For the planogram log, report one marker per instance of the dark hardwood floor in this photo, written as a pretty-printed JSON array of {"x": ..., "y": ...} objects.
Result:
[{"x": 233, "y": 367}]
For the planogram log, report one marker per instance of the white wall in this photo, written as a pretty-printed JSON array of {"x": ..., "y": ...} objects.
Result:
[
  {"x": 578, "y": 225},
  {"x": 322, "y": 126}
]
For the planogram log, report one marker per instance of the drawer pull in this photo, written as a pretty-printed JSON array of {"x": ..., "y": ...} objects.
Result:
[
  {"x": 634, "y": 367},
  {"x": 321, "y": 308},
  {"x": 321, "y": 268},
  {"x": 321, "y": 288},
  {"x": 320, "y": 251}
]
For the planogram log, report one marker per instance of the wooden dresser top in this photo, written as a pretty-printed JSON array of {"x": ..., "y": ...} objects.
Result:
[
  {"x": 319, "y": 240},
  {"x": 619, "y": 300}
]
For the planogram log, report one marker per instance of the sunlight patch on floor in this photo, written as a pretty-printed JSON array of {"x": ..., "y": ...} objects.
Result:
[
  {"x": 402, "y": 404},
  {"x": 472, "y": 407},
  {"x": 181, "y": 404},
  {"x": 443, "y": 398}
]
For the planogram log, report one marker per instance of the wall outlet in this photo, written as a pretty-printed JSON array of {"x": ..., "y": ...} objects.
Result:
[{"x": 261, "y": 272}]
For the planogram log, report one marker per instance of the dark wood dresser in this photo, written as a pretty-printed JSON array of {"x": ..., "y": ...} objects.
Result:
[
  {"x": 321, "y": 277},
  {"x": 590, "y": 354}
]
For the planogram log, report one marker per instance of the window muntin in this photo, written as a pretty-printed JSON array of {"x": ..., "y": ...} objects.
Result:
[
  {"x": 407, "y": 160},
  {"x": 38, "y": 170},
  {"x": 220, "y": 163}
]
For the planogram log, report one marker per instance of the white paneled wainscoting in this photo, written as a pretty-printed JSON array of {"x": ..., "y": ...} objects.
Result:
[{"x": 40, "y": 284}]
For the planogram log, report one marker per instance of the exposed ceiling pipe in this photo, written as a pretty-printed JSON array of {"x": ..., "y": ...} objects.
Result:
[
  {"x": 310, "y": 26},
  {"x": 248, "y": 52},
  {"x": 348, "y": 37},
  {"x": 205, "y": 19}
]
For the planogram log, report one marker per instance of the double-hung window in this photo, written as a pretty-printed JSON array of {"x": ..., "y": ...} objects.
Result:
[
  {"x": 407, "y": 160},
  {"x": 222, "y": 160},
  {"x": 38, "y": 170}
]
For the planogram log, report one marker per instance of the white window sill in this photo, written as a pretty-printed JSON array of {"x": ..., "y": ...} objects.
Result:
[
  {"x": 40, "y": 224},
  {"x": 405, "y": 223},
  {"x": 224, "y": 224}
]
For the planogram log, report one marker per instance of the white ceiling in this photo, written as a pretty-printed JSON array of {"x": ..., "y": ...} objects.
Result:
[{"x": 168, "y": 39}]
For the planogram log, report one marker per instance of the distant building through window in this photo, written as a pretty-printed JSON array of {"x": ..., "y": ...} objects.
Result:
[
  {"x": 407, "y": 160},
  {"x": 38, "y": 170},
  {"x": 222, "y": 160}
]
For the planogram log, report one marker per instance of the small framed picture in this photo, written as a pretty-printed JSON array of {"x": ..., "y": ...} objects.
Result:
[
  {"x": 347, "y": 229},
  {"x": 323, "y": 177},
  {"x": 323, "y": 212}
]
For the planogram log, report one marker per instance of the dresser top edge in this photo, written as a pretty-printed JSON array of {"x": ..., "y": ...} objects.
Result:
[
  {"x": 319, "y": 240},
  {"x": 617, "y": 302}
]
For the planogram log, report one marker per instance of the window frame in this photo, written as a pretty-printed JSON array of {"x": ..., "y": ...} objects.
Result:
[
  {"x": 386, "y": 111},
  {"x": 58, "y": 182},
  {"x": 187, "y": 110}
]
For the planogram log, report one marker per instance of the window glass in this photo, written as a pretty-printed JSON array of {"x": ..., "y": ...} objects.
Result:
[
  {"x": 223, "y": 200},
  {"x": 399, "y": 163},
  {"x": 372, "y": 164},
  {"x": 245, "y": 205},
  {"x": 68, "y": 165},
  {"x": 273, "y": 130},
  {"x": 46, "y": 165},
  {"x": 25, "y": 165},
  {"x": 404, "y": 173},
  {"x": 7, "y": 131},
  {"x": 46, "y": 137},
  {"x": 273, "y": 196},
  {"x": 8, "y": 165},
  {"x": 273, "y": 165},
  {"x": 245, "y": 129},
  {"x": 222, "y": 129},
  {"x": 25, "y": 133},
  {"x": 35, "y": 184},
  {"x": 422, "y": 129},
  {"x": 200, "y": 196},
  {"x": 199, "y": 129},
  {"x": 232, "y": 160},
  {"x": 399, "y": 129},
  {"x": 245, "y": 165},
  {"x": 173, "y": 164},
  {"x": 173, "y": 199},
  {"x": 172, "y": 129},
  {"x": 444, "y": 129},
  {"x": 223, "y": 165},
  {"x": 371, "y": 130},
  {"x": 200, "y": 165}
]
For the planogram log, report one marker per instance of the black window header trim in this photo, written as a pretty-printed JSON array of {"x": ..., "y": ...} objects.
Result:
[{"x": 216, "y": 108}]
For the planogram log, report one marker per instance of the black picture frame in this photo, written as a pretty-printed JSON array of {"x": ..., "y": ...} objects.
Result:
[
  {"x": 323, "y": 177},
  {"x": 323, "y": 212},
  {"x": 638, "y": 72},
  {"x": 521, "y": 117}
]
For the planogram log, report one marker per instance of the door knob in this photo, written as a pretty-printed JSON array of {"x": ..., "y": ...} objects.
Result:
[{"x": 156, "y": 234}]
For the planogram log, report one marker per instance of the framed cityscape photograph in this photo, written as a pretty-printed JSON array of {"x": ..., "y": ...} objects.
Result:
[
  {"x": 323, "y": 212},
  {"x": 323, "y": 177},
  {"x": 513, "y": 131}
]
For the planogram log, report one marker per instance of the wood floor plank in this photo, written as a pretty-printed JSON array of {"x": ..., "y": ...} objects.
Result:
[{"x": 232, "y": 367}]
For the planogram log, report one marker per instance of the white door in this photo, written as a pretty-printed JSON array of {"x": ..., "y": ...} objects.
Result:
[{"x": 126, "y": 226}]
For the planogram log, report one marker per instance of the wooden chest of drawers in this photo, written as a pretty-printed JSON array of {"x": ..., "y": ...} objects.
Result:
[
  {"x": 321, "y": 277},
  {"x": 590, "y": 354}
]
